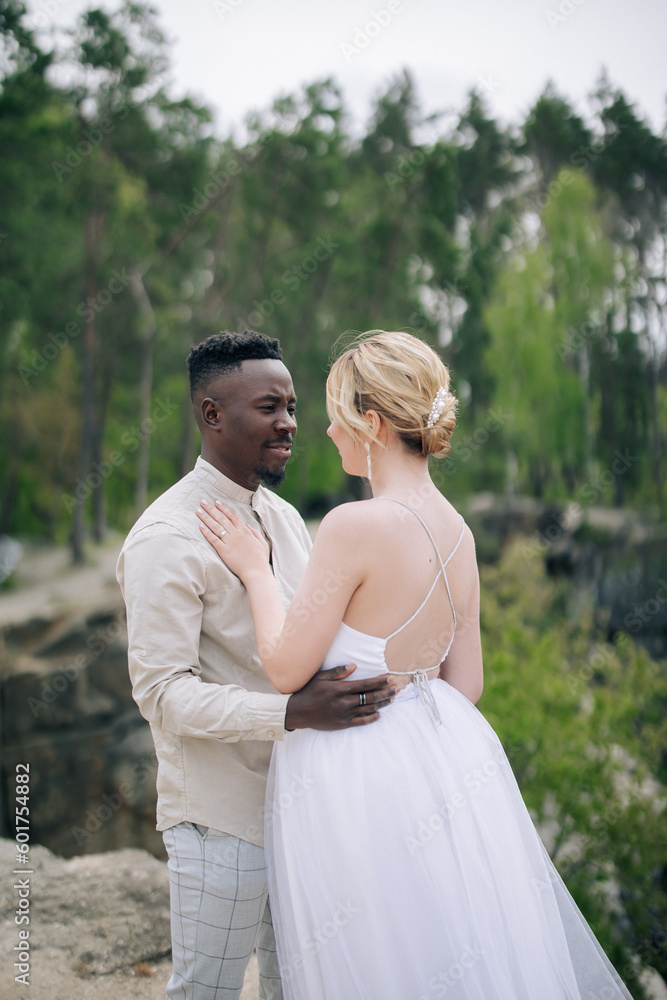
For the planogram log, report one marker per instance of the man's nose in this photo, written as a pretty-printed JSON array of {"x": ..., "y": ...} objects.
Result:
[{"x": 286, "y": 422}]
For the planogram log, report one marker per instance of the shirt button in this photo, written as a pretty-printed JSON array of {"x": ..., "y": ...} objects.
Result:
[
  {"x": 271, "y": 733},
  {"x": 141, "y": 652}
]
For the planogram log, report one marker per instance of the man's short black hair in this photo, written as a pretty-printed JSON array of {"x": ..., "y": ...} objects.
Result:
[{"x": 225, "y": 351}]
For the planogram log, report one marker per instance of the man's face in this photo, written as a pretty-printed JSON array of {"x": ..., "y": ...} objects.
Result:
[{"x": 249, "y": 423}]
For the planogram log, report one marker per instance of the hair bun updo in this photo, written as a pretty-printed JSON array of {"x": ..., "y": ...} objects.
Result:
[{"x": 404, "y": 380}]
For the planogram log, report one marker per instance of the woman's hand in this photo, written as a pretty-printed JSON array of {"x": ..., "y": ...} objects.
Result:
[{"x": 241, "y": 547}]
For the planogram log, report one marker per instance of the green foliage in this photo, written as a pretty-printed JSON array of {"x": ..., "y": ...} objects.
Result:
[
  {"x": 554, "y": 135},
  {"x": 584, "y": 726},
  {"x": 550, "y": 290},
  {"x": 130, "y": 232}
]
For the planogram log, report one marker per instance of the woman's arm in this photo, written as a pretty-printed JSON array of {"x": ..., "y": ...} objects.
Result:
[
  {"x": 463, "y": 668},
  {"x": 292, "y": 644}
]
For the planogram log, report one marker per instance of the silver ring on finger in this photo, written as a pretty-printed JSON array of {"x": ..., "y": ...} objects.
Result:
[
  {"x": 362, "y": 698},
  {"x": 223, "y": 531}
]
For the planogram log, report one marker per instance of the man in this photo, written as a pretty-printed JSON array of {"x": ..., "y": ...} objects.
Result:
[{"x": 197, "y": 677}]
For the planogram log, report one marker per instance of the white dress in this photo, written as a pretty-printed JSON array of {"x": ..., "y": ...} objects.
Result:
[{"x": 403, "y": 864}]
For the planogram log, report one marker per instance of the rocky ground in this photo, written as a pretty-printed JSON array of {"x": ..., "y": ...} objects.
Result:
[
  {"x": 46, "y": 584},
  {"x": 99, "y": 927}
]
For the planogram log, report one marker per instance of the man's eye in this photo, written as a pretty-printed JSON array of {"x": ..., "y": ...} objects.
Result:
[{"x": 291, "y": 410}]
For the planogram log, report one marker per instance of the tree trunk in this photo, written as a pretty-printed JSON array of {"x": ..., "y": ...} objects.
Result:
[
  {"x": 147, "y": 329},
  {"x": 212, "y": 306},
  {"x": 89, "y": 348},
  {"x": 585, "y": 376},
  {"x": 11, "y": 487},
  {"x": 100, "y": 471},
  {"x": 302, "y": 371},
  {"x": 655, "y": 420},
  {"x": 511, "y": 473}
]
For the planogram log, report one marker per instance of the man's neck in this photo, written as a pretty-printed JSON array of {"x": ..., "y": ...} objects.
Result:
[{"x": 230, "y": 473}]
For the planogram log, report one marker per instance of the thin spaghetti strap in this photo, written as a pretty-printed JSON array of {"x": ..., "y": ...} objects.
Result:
[
  {"x": 442, "y": 566},
  {"x": 420, "y": 677},
  {"x": 453, "y": 552},
  {"x": 423, "y": 603}
]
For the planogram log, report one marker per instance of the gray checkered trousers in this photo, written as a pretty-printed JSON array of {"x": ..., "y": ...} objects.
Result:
[{"x": 219, "y": 913}]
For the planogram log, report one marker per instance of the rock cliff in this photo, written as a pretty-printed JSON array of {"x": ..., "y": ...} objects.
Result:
[{"x": 68, "y": 712}]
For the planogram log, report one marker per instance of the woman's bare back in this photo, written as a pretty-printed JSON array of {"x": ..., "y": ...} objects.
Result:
[{"x": 402, "y": 566}]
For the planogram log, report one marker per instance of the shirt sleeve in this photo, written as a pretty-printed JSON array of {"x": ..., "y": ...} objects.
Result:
[{"x": 163, "y": 579}]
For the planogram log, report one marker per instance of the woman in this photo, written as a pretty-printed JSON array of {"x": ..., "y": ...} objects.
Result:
[{"x": 403, "y": 862}]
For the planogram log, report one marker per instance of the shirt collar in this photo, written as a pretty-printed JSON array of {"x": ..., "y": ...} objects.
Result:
[{"x": 226, "y": 486}]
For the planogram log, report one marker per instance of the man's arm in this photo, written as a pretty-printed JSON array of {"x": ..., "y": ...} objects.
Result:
[
  {"x": 329, "y": 702},
  {"x": 163, "y": 578}
]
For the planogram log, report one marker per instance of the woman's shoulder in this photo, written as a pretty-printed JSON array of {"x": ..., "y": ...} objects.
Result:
[
  {"x": 344, "y": 534},
  {"x": 353, "y": 522},
  {"x": 372, "y": 518},
  {"x": 347, "y": 516}
]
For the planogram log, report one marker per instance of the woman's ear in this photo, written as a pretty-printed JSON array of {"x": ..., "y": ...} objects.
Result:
[{"x": 375, "y": 424}]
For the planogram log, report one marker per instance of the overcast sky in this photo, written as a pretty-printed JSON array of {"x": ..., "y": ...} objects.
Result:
[{"x": 237, "y": 55}]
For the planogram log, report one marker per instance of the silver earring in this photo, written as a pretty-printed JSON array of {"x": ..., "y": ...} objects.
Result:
[{"x": 368, "y": 461}]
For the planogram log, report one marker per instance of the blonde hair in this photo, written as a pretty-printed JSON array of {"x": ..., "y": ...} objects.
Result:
[{"x": 397, "y": 375}]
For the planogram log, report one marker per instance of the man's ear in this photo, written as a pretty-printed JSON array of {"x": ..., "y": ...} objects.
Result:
[{"x": 210, "y": 410}]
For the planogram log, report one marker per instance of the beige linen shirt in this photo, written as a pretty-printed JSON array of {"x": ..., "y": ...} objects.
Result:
[{"x": 196, "y": 674}]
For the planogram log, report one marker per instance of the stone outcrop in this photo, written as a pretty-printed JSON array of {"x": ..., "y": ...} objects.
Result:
[
  {"x": 615, "y": 558},
  {"x": 99, "y": 927},
  {"x": 90, "y": 915},
  {"x": 68, "y": 712}
]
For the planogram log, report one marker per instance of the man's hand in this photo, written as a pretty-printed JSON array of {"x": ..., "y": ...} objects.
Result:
[{"x": 328, "y": 702}]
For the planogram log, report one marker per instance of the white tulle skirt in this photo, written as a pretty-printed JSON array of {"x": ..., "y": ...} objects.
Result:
[{"x": 403, "y": 865}]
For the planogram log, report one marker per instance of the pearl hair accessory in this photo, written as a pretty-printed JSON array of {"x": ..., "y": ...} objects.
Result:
[{"x": 439, "y": 403}]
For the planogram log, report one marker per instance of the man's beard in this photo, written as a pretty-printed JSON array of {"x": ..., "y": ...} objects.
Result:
[{"x": 270, "y": 478}]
